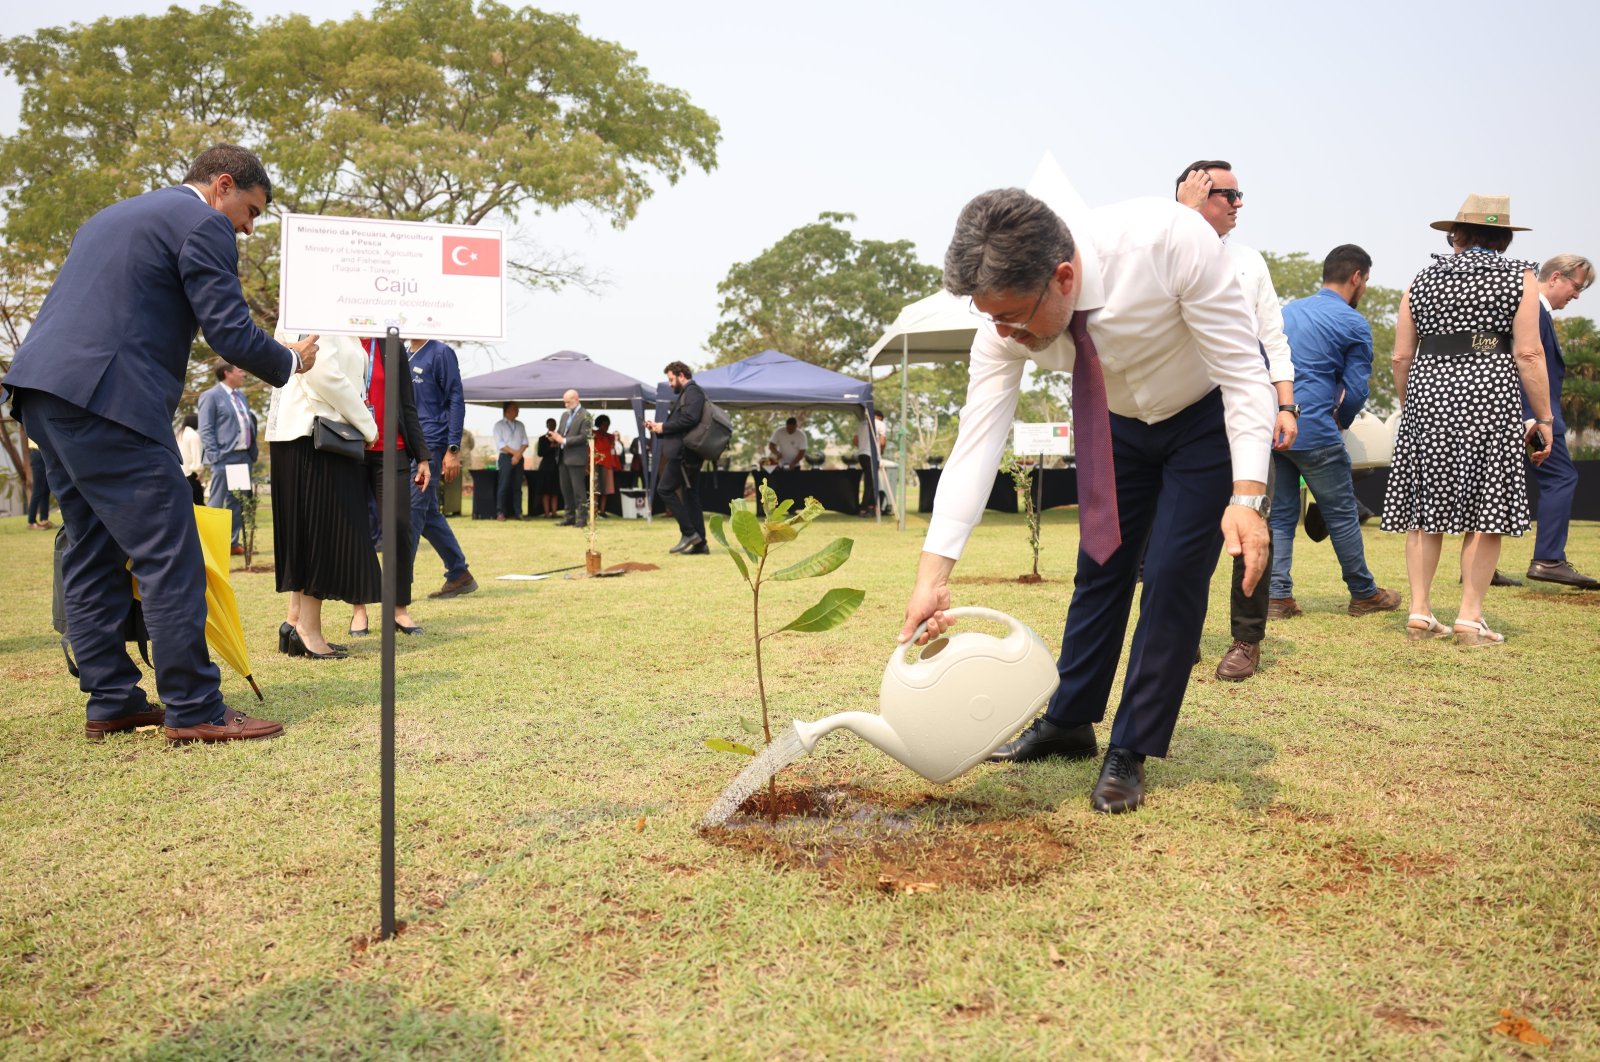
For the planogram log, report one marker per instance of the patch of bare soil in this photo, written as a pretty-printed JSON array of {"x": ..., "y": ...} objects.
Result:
[
  {"x": 997, "y": 580},
  {"x": 255, "y": 569},
  {"x": 857, "y": 839},
  {"x": 631, "y": 566}
]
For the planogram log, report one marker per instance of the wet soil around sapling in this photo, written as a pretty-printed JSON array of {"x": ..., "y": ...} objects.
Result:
[{"x": 858, "y": 839}]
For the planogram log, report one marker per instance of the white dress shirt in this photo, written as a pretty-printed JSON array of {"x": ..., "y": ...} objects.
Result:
[
  {"x": 1169, "y": 322},
  {"x": 1265, "y": 307}
]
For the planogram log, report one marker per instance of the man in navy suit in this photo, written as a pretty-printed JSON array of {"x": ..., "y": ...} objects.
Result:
[
  {"x": 96, "y": 382},
  {"x": 1561, "y": 280},
  {"x": 227, "y": 437}
]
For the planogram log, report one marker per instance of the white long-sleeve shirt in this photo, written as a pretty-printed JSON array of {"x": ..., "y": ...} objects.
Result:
[
  {"x": 1265, "y": 309},
  {"x": 1170, "y": 323}
]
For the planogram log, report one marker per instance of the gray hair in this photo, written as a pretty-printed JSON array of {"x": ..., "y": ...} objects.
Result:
[
  {"x": 1006, "y": 241},
  {"x": 1567, "y": 265}
]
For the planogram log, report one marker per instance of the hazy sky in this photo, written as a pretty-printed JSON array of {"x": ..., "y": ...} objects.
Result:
[{"x": 1356, "y": 122}]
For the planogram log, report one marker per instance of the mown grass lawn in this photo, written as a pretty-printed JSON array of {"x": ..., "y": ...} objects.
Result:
[{"x": 1367, "y": 851}]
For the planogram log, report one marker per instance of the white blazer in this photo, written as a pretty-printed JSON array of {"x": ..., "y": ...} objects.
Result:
[{"x": 331, "y": 388}]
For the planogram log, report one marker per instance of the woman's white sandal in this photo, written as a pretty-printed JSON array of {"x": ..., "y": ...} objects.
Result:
[
  {"x": 1430, "y": 628},
  {"x": 1476, "y": 634}
]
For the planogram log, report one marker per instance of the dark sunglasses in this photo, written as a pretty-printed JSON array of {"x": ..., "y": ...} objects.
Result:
[{"x": 1232, "y": 195}]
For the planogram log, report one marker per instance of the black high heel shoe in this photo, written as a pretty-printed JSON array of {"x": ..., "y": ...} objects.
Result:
[
  {"x": 403, "y": 629},
  {"x": 287, "y": 628},
  {"x": 297, "y": 647}
]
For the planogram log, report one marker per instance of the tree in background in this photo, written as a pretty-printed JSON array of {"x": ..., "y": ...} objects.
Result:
[
  {"x": 820, "y": 295},
  {"x": 426, "y": 110},
  {"x": 1580, "y": 392},
  {"x": 1297, "y": 275}
]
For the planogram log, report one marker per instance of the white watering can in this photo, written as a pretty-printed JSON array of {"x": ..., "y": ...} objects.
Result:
[{"x": 957, "y": 701}]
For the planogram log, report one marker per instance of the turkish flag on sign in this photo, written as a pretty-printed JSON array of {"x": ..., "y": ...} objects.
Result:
[{"x": 472, "y": 256}]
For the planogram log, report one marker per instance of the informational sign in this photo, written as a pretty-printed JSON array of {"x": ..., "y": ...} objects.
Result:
[
  {"x": 1049, "y": 438},
  {"x": 359, "y": 276}
]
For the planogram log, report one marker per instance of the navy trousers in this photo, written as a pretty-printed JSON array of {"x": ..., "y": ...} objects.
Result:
[
  {"x": 124, "y": 497},
  {"x": 1173, "y": 483},
  {"x": 508, "y": 488},
  {"x": 1558, "y": 482}
]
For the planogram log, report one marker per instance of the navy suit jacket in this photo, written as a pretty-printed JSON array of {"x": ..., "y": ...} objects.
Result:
[
  {"x": 142, "y": 277},
  {"x": 1555, "y": 365},
  {"x": 219, "y": 427}
]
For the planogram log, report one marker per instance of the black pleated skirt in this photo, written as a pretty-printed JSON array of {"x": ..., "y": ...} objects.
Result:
[{"x": 322, "y": 545}]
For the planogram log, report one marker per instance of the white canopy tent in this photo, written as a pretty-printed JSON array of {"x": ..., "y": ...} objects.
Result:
[{"x": 940, "y": 328}]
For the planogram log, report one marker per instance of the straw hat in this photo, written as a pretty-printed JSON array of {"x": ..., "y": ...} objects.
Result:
[{"x": 1491, "y": 211}]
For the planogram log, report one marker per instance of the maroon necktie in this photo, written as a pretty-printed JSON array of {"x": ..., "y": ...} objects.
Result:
[{"x": 1099, "y": 527}]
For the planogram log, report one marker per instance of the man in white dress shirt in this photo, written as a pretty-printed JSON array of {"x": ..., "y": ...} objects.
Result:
[
  {"x": 788, "y": 445},
  {"x": 1210, "y": 187},
  {"x": 1191, "y": 421}
]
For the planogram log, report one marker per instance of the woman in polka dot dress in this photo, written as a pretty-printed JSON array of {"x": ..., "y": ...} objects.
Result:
[{"x": 1467, "y": 331}]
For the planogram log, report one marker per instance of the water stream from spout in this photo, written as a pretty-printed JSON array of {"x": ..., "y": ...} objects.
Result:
[{"x": 784, "y": 750}]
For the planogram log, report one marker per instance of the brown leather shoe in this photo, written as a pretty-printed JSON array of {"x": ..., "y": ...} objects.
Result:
[
  {"x": 235, "y": 726},
  {"x": 1561, "y": 572},
  {"x": 1239, "y": 662},
  {"x": 1381, "y": 601},
  {"x": 237, "y": 551},
  {"x": 465, "y": 584},
  {"x": 1282, "y": 608},
  {"x": 97, "y": 729}
]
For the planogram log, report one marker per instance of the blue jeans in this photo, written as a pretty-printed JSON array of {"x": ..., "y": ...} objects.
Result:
[
  {"x": 428, "y": 522},
  {"x": 1327, "y": 472}
]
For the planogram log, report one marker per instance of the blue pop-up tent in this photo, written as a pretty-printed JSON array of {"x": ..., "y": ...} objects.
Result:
[
  {"x": 774, "y": 381},
  {"x": 546, "y": 379}
]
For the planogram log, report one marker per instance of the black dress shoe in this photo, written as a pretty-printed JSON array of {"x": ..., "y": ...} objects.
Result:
[
  {"x": 1504, "y": 580},
  {"x": 685, "y": 542},
  {"x": 1121, "y": 784},
  {"x": 1563, "y": 573},
  {"x": 1045, "y": 740},
  {"x": 699, "y": 548}
]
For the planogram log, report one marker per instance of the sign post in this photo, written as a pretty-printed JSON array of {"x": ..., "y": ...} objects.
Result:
[{"x": 369, "y": 277}]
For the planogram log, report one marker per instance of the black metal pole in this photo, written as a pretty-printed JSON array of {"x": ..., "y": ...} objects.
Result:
[{"x": 394, "y": 363}]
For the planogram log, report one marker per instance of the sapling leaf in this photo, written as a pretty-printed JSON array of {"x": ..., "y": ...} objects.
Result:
[
  {"x": 780, "y": 532},
  {"x": 825, "y": 560},
  {"x": 750, "y": 726},
  {"x": 738, "y": 562},
  {"x": 747, "y": 528},
  {"x": 782, "y": 511},
  {"x": 736, "y": 505},
  {"x": 724, "y": 745},
  {"x": 836, "y": 606},
  {"x": 714, "y": 524},
  {"x": 769, "y": 498}
]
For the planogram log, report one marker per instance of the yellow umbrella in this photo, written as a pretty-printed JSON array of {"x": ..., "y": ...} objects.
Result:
[{"x": 224, "y": 629}]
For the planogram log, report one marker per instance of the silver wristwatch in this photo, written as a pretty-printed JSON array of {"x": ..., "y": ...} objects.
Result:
[{"x": 1258, "y": 502}]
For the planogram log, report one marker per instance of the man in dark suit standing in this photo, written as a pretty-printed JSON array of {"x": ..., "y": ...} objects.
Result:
[
  {"x": 572, "y": 435},
  {"x": 96, "y": 382},
  {"x": 675, "y": 483},
  {"x": 227, "y": 437},
  {"x": 1561, "y": 280}
]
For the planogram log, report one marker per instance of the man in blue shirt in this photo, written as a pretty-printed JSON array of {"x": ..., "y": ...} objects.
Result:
[
  {"x": 1332, "y": 346},
  {"x": 436, "y": 382}
]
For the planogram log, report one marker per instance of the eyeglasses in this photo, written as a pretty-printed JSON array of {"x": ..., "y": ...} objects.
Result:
[
  {"x": 1232, "y": 195},
  {"x": 1578, "y": 286},
  {"x": 1015, "y": 326}
]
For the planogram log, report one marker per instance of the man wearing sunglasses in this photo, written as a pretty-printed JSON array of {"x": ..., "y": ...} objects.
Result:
[
  {"x": 1172, "y": 413},
  {"x": 1210, "y": 187}
]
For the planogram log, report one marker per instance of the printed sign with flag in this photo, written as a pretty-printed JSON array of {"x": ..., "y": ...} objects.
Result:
[
  {"x": 471, "y": 256},
  {"x": 1051, "y": 437},
  {"x": 359, "y": 276}
]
